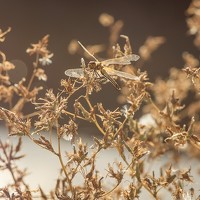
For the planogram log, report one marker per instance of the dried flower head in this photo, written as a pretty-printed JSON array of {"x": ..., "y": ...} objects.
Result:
[
  {"x": 150, "y": 45},
  {"x": 193, "y": 21},
  {"x": 50, "y": 110},
  {"x": 106, "y": 19},
  {"x": 2, "y": 34},
  {"x": 5, "y": 66},
  {"x": 45, "y": 60},
  {"x": 40, "y": 47},
  {"x": 16, "y": 125},
  {"x": 69, "y": 131},
  {"x": 40, "y": 74},
  {"x": 24, "y": 92}
]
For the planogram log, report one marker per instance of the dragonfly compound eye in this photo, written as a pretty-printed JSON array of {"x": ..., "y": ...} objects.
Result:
[{"x": 92, "y": 65}]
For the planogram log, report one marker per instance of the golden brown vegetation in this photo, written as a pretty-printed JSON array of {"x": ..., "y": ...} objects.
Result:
[{"x": 167, "y": 123}]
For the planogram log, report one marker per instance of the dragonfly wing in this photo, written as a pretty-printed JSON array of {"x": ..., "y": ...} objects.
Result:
[
  {"x": 76, "y": 73},
  {"x": 132, "y": 57},
  {"x": 113, "y": 72},
  {"x": 124, "y": 60}
]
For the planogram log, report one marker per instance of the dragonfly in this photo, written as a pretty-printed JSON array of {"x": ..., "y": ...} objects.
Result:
[{"x": 102, "y": 69}]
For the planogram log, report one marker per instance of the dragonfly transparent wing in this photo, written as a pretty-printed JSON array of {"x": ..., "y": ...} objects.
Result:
[
  {"x": 124, "y": 60},
  {"x": 113, "y": 72},
  {"x": 79, "y": 73},
  {"x": 76, "y": 73}
]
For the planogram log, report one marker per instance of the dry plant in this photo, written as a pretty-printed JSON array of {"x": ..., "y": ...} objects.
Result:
[{"x": 169, "y": 123}]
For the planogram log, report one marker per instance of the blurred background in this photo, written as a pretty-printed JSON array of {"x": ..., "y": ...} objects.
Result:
[{"x": 68, "y": 20}]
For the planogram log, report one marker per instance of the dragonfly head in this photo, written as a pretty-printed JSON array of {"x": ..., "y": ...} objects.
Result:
[{"x": 95, "y": 65}]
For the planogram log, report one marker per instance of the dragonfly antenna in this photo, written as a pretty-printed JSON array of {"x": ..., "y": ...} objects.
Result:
[{"x": 87, "y": 51}]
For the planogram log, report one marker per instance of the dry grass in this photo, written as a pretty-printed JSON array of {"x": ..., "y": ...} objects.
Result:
[{"x": 166, "y": 126}]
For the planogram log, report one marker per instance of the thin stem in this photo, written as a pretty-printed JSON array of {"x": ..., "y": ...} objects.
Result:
[
  {"x": 35, "y": 141},
  {"x": 154, "y": 105},
  {"x": 98, "y": 126},
  {"x": 50, "y": 134},
  {"x": 8, "y": 164},
  {"x": 20, "y": 103},
  {"x": 73, "y": 115},
  {"x": 105, "y": 194},
  {"x": 121, "y": 126},
  {"x": 60, "y": 159},
  {"x": 33, "y": 74},
  {"x": 94, "y": 119},
  {"x": 31, "y": 115}
]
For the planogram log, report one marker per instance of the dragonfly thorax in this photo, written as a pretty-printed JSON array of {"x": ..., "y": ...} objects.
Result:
[{"x": 95, "y": 65}]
